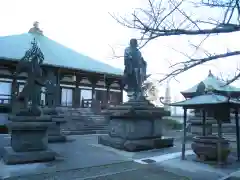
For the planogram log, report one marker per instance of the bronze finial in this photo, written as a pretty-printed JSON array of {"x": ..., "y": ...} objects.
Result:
[
  {"x": 35, "y": 29},
  {"x": 210, "y": 73}
]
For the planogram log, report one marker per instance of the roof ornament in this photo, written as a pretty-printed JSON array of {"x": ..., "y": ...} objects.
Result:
[
  {"x": 210, "y": 73},
  {"x": 209, "y": 89},
  {"x": 34, "y": 52},
  {"x": 35, "y": 29},
  {"x": 201, "y": 89}
]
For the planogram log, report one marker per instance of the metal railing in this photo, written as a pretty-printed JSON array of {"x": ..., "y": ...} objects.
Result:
[
  {"x": 90, "y": 103},
  {"x": 86, "y": 103}
]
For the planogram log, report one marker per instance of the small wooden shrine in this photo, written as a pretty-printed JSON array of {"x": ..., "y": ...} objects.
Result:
[
  {"x": 209, "y": 147},
  {"x": 215, "y": 85}
]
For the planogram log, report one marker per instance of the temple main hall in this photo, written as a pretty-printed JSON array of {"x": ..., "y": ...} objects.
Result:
[{"x": 81, "y": 79}]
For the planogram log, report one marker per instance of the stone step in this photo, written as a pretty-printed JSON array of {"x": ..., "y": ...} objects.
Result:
[
  {"x": 79, "y": 131},
  {"x": 92, "y": 115},
  {"x": 93, "y": 128},
  {"x": 93, "y": 118},
  {"x": 87, "y": 113},
  {"x": 83, "y": 132},
  {"x": 87, "y": 116},
  {"x": 95, "y": 125},
  {"x": 84, "y": 121},
  {"x": 87, "y": 127}
]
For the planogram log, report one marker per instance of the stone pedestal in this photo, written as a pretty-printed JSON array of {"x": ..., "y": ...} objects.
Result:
[
  {"x": 136, "y": 126},
  {"x": 29, "y": 140},
  {"x": 54, "y": 130}
]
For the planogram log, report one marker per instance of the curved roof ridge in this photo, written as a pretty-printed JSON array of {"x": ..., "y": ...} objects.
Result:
[
  {"x": 14, "y": 47},
  {"x": 213, "y": 82}
]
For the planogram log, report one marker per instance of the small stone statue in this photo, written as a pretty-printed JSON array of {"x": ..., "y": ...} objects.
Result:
[
  {"x": 135, "y": 69},
  {"x": 31, "y": 64}
]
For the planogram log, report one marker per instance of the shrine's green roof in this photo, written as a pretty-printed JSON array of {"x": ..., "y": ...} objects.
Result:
[
  {"x": 206, "y": 99},
  {"x": 13, "y": 47},
  {"x": 212, "y": 82}
]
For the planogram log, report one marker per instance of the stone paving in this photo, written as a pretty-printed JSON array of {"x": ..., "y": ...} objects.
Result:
[
  {"x": 117, "y": 171},
  {"x": 77, "y": 153},
  {"x": 82, "y": 158},
  {"x": 196, "y": 170}
]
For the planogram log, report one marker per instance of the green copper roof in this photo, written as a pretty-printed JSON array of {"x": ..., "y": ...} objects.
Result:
[
  {"x": 206, "y": 99},
  {"x": 14, "y": 47},
  {"x": 212, "y": 82}
]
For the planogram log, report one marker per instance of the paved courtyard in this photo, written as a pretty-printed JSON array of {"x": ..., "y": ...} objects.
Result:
[{"x": 83, "y": 158}]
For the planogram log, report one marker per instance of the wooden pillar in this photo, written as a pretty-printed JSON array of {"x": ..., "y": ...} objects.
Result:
[
  {"x": 107, "y": 95},
  {"x": 219, "y": 147},
  {"x": 94, "y": 81},
  {"x": 237, "y": 134},
  {"x": 108, "y": 83},
  {"x": 121, "y": 99},
  {"x": 14, "y": 87},
  {"x": 121, "y": 88},
  {"x": 14, "y": 90},
  {"x": 77, "y": 92},
  {"x": 93, "y": 91},
  {"x": 184, "y": 134},
  {"x": 58, "y": 88},
  {"x": 204, "y": 122}
]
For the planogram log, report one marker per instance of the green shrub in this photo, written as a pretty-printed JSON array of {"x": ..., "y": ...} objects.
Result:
[
  {"x": 3, "y": 129},
  {"x": 172, "y": 124}
]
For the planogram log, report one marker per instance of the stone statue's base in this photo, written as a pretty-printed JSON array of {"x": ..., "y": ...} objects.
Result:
[
  {"x": 136, "y": 126},
  {"x": 11, "y": 157},
  {"x": 29, "y": 140},
  {"x": 57, "y": 139},
  {"x": 135, "y": 145},
  {"x": 54, "y": 131},
  {"x": 49, "y": 111}
]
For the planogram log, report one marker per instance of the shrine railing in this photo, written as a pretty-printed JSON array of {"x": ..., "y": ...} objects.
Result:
[{"x": 66, "y": 104}]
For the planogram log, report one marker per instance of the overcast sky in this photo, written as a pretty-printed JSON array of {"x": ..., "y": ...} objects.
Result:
[{"x": 87, "y": 27}]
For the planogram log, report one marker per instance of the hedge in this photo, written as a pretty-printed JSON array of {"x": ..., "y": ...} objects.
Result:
[
  {"x": 172, "y": 124},
  {"x": 3, "y": 129}
]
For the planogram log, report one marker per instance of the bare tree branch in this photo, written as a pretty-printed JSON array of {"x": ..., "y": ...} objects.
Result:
[
  {"x": 186, "y": 65},
  {"x": 175, "y": 19}
]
